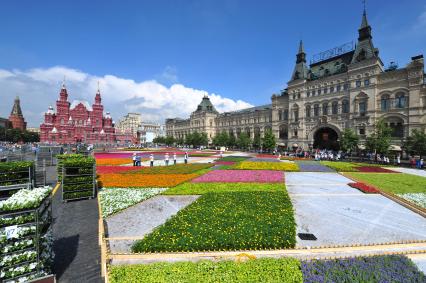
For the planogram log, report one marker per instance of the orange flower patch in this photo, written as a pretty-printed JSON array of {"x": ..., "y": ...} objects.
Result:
[
  {"x": 144, "y": 180},
  {"x": 113, "y": 161}
]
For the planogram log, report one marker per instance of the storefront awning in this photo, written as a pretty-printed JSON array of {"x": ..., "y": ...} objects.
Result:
[
  {"x": 361, "y": 146},
  {"x": 295, "y": 145},
  {"x": 395, "y": 147}
]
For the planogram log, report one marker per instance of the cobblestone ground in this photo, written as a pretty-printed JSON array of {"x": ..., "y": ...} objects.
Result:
[
  {"x": 75, "y": 230},
  {"x": 313, "y": 166}
]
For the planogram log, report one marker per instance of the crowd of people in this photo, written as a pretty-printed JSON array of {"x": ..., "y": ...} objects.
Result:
[{"x": 137, "y": 159}]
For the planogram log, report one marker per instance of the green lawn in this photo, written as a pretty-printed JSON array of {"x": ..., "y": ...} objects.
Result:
[
  {"x": 204, "y": 188},
  {"x": 233, "y": 158},
  {"x": 227, "y": 221},
  {"x": 394, "y": 183},
  {"x": 258, "y": 270}
]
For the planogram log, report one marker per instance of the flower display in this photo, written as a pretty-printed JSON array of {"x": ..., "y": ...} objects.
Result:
[
  {"x": 25, "y": 199},
  {"x": 204, "y": 188},
  {"x": 115, "y": 169},
  {"x": 226, "y": 221},
  {"x": 114, "y": 200},
  {"x": 417, "y": 198},
  {"x": 266, "y": 156},
  {"x": 281, "y": 166},
  {"x": 233, "y": 158},
  {"x": 173, "y": 169},
  {"x": 113, "y": 161},
  {"x": 143, "y": 180},
  {"x": 374, "y": 169},
  {"x": 224, "y": 162},
  {"x": 364, "y": 188},
  {"x": 382, "y": 268},
  {"x": 243, "y": 176},
  {"x": 254, "y": 270}
]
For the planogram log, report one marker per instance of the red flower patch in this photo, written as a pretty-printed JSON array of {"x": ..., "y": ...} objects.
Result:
[
  {"x": 374, "y": 169},
  {"x": 115, "y": 169},
  {"x": 364, "y": 188}
]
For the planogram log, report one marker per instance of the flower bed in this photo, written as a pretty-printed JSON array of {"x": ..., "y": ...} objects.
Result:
[
  {"x": 364, "y": 188},
  {"x": 25, "y": 199},
  {"x": 417, "y": 198},
  {"x": 281, "y": 166},
  {"x": 392, "y": 183},
  {"x": 115, "y": 169},
  {"x": 243, "y": 176},
  {"x": 143, "y": 180},
  {"x": 374, "y": 169},
  {"x": 204, "y": 188},
  {"x": 173, "y": 169},
  {"x": 114, "y": 155},
  {"x": 266, "y": 156},
  {"x": 113, "y": 161},
  {"x": 341, "y": 166},
  {"x": 257, "y": 159},
  {"x": 224, "y": 162},
  {"x": 226, "y": 221},
  {"x": 387, "y": 268},
  {"x": 257, "y": 270},
  {"x": 113, "y": 200},
  {"x": 233, "y": 158}
]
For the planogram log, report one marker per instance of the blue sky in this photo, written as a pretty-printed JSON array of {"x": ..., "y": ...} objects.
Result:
[{"x": 239, "y": 50}]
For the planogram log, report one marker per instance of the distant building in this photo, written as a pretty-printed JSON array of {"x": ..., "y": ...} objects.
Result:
[
  {"x": 346, "y": 87},
  {"x": 16, "y": 118},
  {"x": 149, "y": 131},
  {"x": 34, "y": 130},
  {"x": 77, "y": 122},
  {"x": 129, "y": 123},
  {"x": 4, "y": 123}
]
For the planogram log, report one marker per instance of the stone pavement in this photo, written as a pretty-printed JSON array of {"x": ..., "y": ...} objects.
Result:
[
  {"x": 340, "y": 215},
  {"x": 123, "y": 228},
  {"x": 75, "y": 231},
  {"x": 417, "y": 172},
  {"x": 312, "y": 166}
]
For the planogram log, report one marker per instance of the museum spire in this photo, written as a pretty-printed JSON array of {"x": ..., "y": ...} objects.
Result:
[{"x": 300, "y": 70}]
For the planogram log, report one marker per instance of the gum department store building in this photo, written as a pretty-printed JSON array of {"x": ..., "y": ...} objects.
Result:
[{"x": 345, "y": 87}]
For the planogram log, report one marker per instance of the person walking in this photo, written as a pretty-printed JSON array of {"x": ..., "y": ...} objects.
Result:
[
  {"x": 134, "y": 159},
  {"x": 151, "y": 160},
  {"x": 138, "y": 160},
  {"x": 174, "y": 158},
  {"x": 422, "y": 163},
  {"x": 398, "y": 160},
  {"x": 166, "y": 158},
  {"x": 186, "y": 157},
  {"x": 279, "y": 156}
]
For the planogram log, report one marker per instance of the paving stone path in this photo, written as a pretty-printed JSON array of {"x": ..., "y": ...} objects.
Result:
[
  {"x": 340, "y": 215},
  {"x": 313, "y": 166},
  {"x": 141, "y": 219},
  {"x": 417, "y": 172},
  {"x": 75, "y": 230}
]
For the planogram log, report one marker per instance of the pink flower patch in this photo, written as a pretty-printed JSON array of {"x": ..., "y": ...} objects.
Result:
[
  {"x": 115, "y": 169},
  {"x": 374, "y": 169},
  {"x": 241, "y": 176}
]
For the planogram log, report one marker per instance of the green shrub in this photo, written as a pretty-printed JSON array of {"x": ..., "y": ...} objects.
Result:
[
  {"x": 61, "y": 158},
  {"x": 227, "y": 221},
  {"x": 257, "y": 270},
  {"x": 204, "y": 188}
]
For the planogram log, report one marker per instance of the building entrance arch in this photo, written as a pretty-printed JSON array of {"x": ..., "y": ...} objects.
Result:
[{"x": 326, "y": 138}]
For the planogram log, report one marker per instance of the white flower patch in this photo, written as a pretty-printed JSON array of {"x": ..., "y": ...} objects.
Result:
[
  {"x": 116, "y": 199},
  {"x": 25, "y": 199},
  {"x": 417, "y": 198}
]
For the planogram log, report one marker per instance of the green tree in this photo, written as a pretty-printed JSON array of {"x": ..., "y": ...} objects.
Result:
[
  {"x": 243, "y": 141},
  {"x": 169, "y": 140},
  {"x": 257, "y": 142},
  {"x": 231, "y": 141},
  {"x": 180, "y": 141},
  {"x": 380, "y": 140},
  {"x": 204, "y": 139},
  {"x": 268, "y": 141},
  {"x": 416, "y": 143},
  {"x": 221, "y": 139},
  {"x": 159, "y": 140},
  {"x": 349, "y": 140}
]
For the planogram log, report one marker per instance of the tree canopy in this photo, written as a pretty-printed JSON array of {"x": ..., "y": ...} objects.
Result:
[
  {"x": 416, "y": 143},
  {"x": 349, "y": 140},
  {"x": 268, "y": 141},
  {"x": 380, "y": 140}
]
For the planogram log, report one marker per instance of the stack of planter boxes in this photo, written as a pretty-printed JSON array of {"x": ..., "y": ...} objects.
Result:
[
  {"x": 15, "y": 176},
  {"x": 26, "y": 235},
  {"x": 78, "y": 178}
]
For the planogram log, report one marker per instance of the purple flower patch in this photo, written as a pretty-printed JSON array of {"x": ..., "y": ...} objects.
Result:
[{"x": 241, "y": 176}]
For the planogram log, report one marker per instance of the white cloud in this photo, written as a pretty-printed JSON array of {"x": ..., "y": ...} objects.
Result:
[
  {"x": 420, "y": 23},
  {"x": 38, "y": 88}
]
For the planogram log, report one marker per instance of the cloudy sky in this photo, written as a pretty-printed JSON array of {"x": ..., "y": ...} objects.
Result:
[{"x": 160, "y": 57}]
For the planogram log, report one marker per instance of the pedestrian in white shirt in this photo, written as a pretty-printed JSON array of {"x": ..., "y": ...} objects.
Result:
[
  {"x": 151, "y": 160},
  {"x": 166, "y": 158},
  {"x": 174, "y": 158}
]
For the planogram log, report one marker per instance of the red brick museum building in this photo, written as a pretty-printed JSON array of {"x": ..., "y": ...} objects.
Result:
[{"x": 77, "y": 122}]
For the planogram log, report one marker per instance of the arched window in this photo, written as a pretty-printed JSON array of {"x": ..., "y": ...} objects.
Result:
[
  {"x": 400, "y": 100},
  {"x": 308, "y": 111},
  {"x": 283, "y": 132},
  {"x": 280, "y": 115},
  {"x": 316, "y": 110},
  {"x": 345, "y": 106},
  {"x": 62, "y": 121},
  {"x": 385, "y": 102},
  {"x": 334, "y": 108},
  {"x": 362, "y": 105},
  {"x": 325, "y": 109}
]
